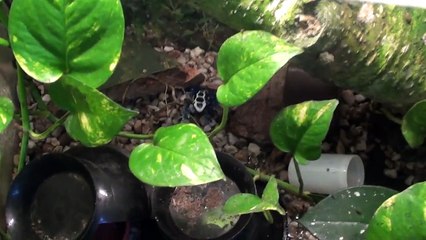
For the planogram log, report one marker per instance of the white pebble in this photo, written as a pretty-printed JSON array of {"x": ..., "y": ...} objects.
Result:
[
  {"x": 254, "y": 148},
  {"x": 168, "y": 49}
]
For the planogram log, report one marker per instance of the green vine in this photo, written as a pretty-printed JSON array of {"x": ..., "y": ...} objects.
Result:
[{"x": 22, "y": 97}]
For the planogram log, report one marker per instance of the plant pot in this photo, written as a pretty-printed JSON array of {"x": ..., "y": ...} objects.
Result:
[
  {"x": 170, "y": 211},
  {"x": 85, "y": 193}
]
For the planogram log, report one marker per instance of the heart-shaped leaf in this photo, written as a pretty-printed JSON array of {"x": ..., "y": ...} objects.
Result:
[
  {"x": 270, "y": 193},
  {"x": 414, "y": 124},
  {"x": 77, "y": 38},
  {"x": 301, "y": 128},
  {"x": 247, "y": 61},
  {"x": 6, "y": 112},
  {"x": 4, "y": 42},
  {"x": 180, "y": 155},
  {"x": 244, "y": 203},
  {"x": 345, "y": 214},
  {"x": 95, "y": 119},
  {"x": 403, "y": 216}
]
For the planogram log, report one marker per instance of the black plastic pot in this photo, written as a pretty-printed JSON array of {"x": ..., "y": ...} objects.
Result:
[
  {"x": 244, "y": 229},
  {"x": 85, "y": 193}
]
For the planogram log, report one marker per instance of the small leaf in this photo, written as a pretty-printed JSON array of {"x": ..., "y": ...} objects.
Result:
[
  {"x": 301, "y": 128},
  {"x": 95, "y": 119},
  {"x": 81, "y": 39},
  {"x": 244, "y": 203},
  {"x": 247, "y": 61},
  {"x": 180, "y": 155},
  {"x": 345, "y": 214},
  {"x": 4, "y": 42},
  {"x": 401, "y": 217},
  {"x": 414, "y": 124},
  {"x": 6, "y": 112},
  {"x": 270, "y": 193}
]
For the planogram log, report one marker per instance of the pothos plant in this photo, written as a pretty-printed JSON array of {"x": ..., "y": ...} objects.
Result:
[{"x": 73, "y": 47}]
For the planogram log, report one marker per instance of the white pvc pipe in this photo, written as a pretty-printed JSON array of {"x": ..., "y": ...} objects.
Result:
[{"x": 330, "y": 173}]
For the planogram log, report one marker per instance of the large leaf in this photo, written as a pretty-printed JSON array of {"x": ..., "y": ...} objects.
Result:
[
  {"x": 414, "y": 124},
  {"x": 244, "y": 203},
  {"x": 300, "y": 129},
  {"x": 345, "y": 214},
  {"x": 402, "y": 216},
  {"x": 77, "y": 38},
  {"x": 247, "y": 61},
  {"x": 6, "y": 112},
  {"x": 180, "y": 155},
  {"x": 95, "y": 119}
]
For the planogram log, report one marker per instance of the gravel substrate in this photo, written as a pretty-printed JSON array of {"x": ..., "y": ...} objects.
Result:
[{"x": 356, "y": 129}]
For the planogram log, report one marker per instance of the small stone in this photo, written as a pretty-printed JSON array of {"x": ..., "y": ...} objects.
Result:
[
  {"x": 66, "y": 148},
  {"x": 391, "y": 173},
  {"x": 168, "y": 49},
  {"x": 181, "y": 60},
  {"x": 219, "y": 140},
  {"x": 230, "y": 149},
  {"x": 360, "y": 98},
  {"x": 207, "y": 128},
  {"x": 57, "y": 149},
  {"x": 232, "y": 139},
  {"x": 138, "y": 126},
  {"x": 46, "y": 98},
  {"x": 361, "y": 146},
  {"x": 254, "y": 149},
  {"x": 396, "y": 157},
  {"x": 31, "y": 144},
  {"x": 196, "y": 52},
  {"x": 410, "y": 165},
  {"x": 409, "y": 180},
  {"x": 55, "y": 142},
  {"x": 348, "y": 97},
  {"x": 242, "y": 155},
  {"x": 128, "y": 127}
]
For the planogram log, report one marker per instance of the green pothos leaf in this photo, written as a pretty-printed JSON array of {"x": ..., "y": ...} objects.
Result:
[
  {"x": 247, "y": 61},
  {"x": 180, "y": 155},
  {"x": 6, "y": 112},
  {"x": 301, "y": 128},
  {"x": 95, "y": 119},
  {"x": 401, "y": 216},
  {"x": 81, "y": 39},
  {"x": 414, "y": 124},
  {"x": 244, "y": 203}
]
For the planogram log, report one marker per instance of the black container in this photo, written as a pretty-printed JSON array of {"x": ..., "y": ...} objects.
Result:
[
  {"x": 85, "y": 193},
  {"x": 244, "y": 229}
]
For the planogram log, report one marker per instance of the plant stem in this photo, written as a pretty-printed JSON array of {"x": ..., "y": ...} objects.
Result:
[
  {"x": 391, "y": 117},
  {"x": 299, "y": 176},
  {"x": 134, "y": 135},
  {"x": 268, "y": 216},
  {"x": 43, "y": 135},
  {"x": 281, "y": 184},
  {"x": 40, "y": 103},
  {"x": 222, "y": 125},
  {"x": 25, "y": 117}
]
